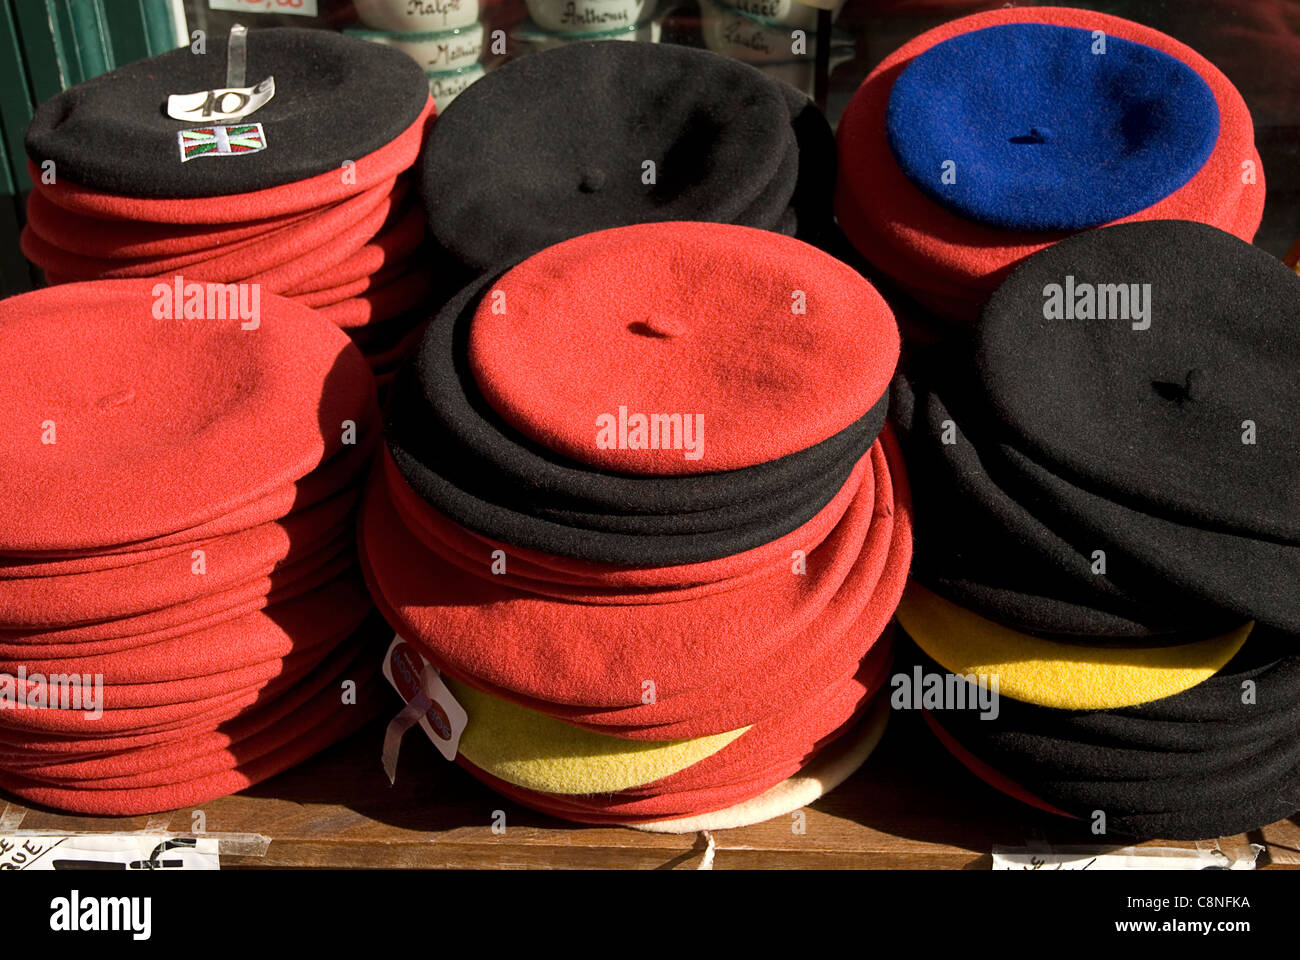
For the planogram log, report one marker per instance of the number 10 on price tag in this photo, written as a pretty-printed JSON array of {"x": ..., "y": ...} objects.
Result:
[{"x": 232, "y": 103}]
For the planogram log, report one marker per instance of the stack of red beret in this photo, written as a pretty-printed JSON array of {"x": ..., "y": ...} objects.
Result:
[
  {"x": 308, "y": 196},
  {"x": 653, "y": 599},
  {"x": 995, "y": 135},
  {"x": 178, "y": 532}
]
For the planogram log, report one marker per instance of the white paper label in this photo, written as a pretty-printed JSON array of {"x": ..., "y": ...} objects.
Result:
[
  {"x": 107, "y": 852},
  {"x": 230, "y": 103},
  {"x": 302, "y": 8},
  {"x": 444, "y": 719},
  {"x": 1124, "y": 858}
]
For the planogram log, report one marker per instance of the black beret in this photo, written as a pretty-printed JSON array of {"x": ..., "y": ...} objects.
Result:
[
  {"x": 337, "y": 98},
  {"x": 1200, "y": 763},
  {"x": 989, "y": 548},
  {"x": 1149, "y": 411},
  {"x": 552, "y": 146},
  {"x": 1165, "y": 436}
]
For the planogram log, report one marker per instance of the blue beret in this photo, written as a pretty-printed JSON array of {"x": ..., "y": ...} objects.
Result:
[{"x": 1045, "y": 133}]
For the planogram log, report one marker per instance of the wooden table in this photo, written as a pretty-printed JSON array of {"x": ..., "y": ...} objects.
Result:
[{"x": 909, "y": 807}]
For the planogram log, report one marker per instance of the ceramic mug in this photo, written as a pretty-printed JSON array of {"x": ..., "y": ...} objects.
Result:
[
  {"x": 436, "y": 51},
  {"x": 417, "y": 16}
]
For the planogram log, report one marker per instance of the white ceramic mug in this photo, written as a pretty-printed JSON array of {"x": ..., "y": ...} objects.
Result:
[
  {"x": 536, "y": 39},
  {"x": 589, "y": 16},
  {"x": 440, "y": 50},
  {"x": 417, "y": 16},
  {"x": 739, "y": 35},
  {"x": 447, "y": 85},
  {"x": 789, "y": 12}
]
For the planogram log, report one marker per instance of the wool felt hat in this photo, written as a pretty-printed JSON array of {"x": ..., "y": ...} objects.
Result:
[
  {"x": 729, "y": 144},
  {"x": 111, "y": 134},
  {"x": 1046, "y": 132},
  {"x": 537, "y": 752},
  {"x": 993, "y": 778},
  {"x": 122, "y": 592},
  {"x": 107, "y": 635},
  {"x": 130, "y": 801},
  {"x": 264, "y": 671},
  {"x": 489, "y": 479},
  {"x": 1238, "y": 797},
  {"x": 745, "y": 699},
  {"x": 152, "y": 762},
  {"x": 300, "y": 213},
  {"x": 305, "y": 673},
  {"x": 772, "y": 745},
  {"x": 377, "y": 331},
  {"x": 165, "y": 722},
  {"x": 331, "y": 295},
  {"x": 342, "y": 469},
  {"x": 222, "y": 391},
  {"x": 333, "y": 610},
  {"x": 566, "y": 579},
  {"x": 1249, "y": 701},
  {"x": 952, "y": 308},
  {"x": 99, "y": 238},
  {"x": 928, "y": 246},
  {"x": 396, "y": 249},
  {"x": 266, "y": 634},
  {"x": 1166, "y": 384},
  {"x": 196, "y": 696},
  {"x": 1246, "y": 576},
  {"x": 828, "y": 567},
  {"x": 691, "y": 790},
  {"x": 205, "y": 687},
  {"x": 665, "y": 531},
  {"x": 1067, "y": 676},
  {"x": 1240, "y": 555},
  {"x": 1204, "y": 761},
  {"x": 341, "y": 228},
  {"x": 298, "y": 524},
  {"x": 317, "y": 191},
  {"x": 617, "y": 809},
  {"x": 806, "y": 648},
  {"x": 988, "y": 548},
  {"x": 214, "y": 760},
  {"x": 832, "y": 765},
  {"x": 310, "y": 729},
  {"x": 290, "y": 633},
  {"x": 576, "y": 340},
  {"x": 454, "y": 399},
  {"x": 84, "y": 735},
  {"x": 399, "y": 297}
]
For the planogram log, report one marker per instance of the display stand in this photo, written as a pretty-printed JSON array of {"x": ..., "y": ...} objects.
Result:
[{"x": 910, "y": 807}]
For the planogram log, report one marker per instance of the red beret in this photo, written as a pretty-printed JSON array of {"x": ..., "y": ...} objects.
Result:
[
  {"x": 590, "y": 326},
  {"x": 160, "y": 425}
]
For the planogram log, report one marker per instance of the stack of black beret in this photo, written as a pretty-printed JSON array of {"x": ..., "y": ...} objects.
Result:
[
  {"x": 1108, "y": 482},
  {"x": 1198, "y": 764},
  {"x": 615, "y": 134}
]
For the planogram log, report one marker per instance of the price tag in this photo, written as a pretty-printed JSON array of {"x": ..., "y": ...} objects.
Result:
[
  {"x": 301, "y": 8},
  {"x": 429, "y": 704},
  {"x": 231, "y": 103},
  {"x": 1112, "y": 858},
  {"x": 131, "y": 852}
]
